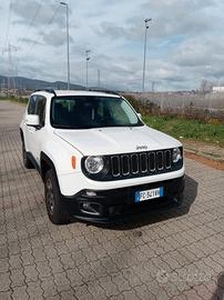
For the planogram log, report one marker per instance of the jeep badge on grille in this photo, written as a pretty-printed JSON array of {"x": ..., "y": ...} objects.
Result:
[{"x": 144, "y": 147}]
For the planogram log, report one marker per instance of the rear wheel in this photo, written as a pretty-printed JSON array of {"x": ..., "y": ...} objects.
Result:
[{"x": 53, "y": 199}]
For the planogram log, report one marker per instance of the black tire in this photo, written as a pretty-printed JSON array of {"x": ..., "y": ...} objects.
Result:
[
  {"x": 53, "y": 202},
  {"x": 26, "y": 161}
]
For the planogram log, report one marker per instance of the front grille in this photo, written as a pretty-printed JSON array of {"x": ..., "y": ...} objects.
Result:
[
  {"x": 140, "y": 164},
  {"x": 133, "y": 165}
]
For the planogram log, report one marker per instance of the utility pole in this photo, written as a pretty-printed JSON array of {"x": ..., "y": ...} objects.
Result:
[
  {"x": 144, "y": 60},
  {"x": 154, "y": 83},
  {"x": 67, "y": 39},
  {"x": 87, "y": 68},
  {"x": 11, "y": 84},
  {"x": 98, "y": 78}
]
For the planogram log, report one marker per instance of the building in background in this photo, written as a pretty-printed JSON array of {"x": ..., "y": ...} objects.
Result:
[{"x": 218, "y": 89}]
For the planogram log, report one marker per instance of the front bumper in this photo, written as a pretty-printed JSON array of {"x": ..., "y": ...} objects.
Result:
[{"x": 116, "y": 204}]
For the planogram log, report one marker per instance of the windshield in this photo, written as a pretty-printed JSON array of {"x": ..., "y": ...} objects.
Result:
[{"x": 81, "y": 112}]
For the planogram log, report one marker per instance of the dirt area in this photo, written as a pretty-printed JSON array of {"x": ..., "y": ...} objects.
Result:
[{"x": 211, "y": 155}]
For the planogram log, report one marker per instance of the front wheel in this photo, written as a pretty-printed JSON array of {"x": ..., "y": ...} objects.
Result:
[{"x": 53, "y": 199}]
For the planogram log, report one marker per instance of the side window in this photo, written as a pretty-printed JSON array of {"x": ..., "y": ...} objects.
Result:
[
  {"x": 31, "y": 105},
  {"x": 40, "y": 109}
]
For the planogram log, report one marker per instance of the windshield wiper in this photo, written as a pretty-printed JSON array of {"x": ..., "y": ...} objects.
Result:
[{"x": 62, "y": 126}]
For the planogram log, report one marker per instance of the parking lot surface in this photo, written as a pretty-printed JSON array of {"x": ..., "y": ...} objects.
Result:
[{"x": 178, "y": 254}]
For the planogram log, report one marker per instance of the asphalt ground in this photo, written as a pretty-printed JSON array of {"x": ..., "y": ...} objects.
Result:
[{"x": 177, "y": 254}]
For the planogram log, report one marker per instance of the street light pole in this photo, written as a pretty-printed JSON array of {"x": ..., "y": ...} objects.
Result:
[
  {"x": 67, "y": 38},
  {"x": 98, "y": 78},
  {"x": 145, "y": 44},
  {"x": 87, "y": 68}
]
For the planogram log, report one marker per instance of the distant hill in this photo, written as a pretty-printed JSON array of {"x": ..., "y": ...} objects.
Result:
[{"x": 23, "y": 83}]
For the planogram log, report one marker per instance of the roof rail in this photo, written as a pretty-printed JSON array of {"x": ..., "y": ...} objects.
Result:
[
  {"x": 104, "y": 91},
  {"x": 52, "y": 91}
]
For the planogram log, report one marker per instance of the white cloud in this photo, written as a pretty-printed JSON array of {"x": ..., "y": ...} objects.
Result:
[{"x": 185, "y": 41}]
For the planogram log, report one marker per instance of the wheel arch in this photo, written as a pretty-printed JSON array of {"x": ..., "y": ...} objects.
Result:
[
  {"x": 21, "y": 135},
  {"x": 57, "y": 214},
  {"x": 45, "y": 165}
]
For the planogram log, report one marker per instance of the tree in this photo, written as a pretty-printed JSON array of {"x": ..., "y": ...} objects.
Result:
[{"x": 206, "y": 86}]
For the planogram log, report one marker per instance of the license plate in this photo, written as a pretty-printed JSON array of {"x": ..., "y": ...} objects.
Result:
[{"x": 149, "y": 194}]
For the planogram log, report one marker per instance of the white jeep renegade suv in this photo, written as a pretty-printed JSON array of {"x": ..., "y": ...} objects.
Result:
[{"x": 97, "y": 159}]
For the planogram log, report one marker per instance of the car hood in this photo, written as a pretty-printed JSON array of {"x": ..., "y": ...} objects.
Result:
[{"x": 115, "y": 140}]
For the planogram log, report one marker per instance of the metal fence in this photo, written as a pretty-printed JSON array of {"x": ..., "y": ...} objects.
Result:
[{"x": 191, "y": 104}]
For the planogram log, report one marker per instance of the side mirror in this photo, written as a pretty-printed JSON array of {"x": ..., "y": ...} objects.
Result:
[
  {"x": 32, "y": 120},
  {"x": 140, "y": 116}
]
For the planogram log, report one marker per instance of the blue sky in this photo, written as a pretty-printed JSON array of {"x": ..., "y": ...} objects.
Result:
[{"x": 185, "y": 42}]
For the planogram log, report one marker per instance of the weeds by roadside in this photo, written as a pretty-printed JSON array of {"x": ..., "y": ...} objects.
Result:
[
  {"x": 194, "y": 124},
  {"x": 182, "y": 128},
  {"x": 16, "y": 99}
]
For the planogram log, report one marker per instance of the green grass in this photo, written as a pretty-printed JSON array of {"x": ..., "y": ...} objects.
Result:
[
  {"x": 21, "y": 100},
  {"x": 188, "y": 129},
  {"x": 16, "y": 99}
]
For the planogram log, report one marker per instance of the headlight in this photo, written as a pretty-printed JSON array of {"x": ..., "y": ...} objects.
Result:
[
  {"x": 94, "y": 164},
  {"x": 176, "y": 155}
]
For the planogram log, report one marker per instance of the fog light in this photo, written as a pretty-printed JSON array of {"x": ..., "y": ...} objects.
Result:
[
  {"x": 90, "y": 208},
  {"x": 86, "y": 205}
]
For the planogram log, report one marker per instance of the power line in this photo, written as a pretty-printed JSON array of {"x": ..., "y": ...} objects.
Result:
[
  {"x": 8, "y": 25},
  {"x": 30, "y": 25},
  {"x": 11, "y": 84},
  {"x": 44, "y": 30}
]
